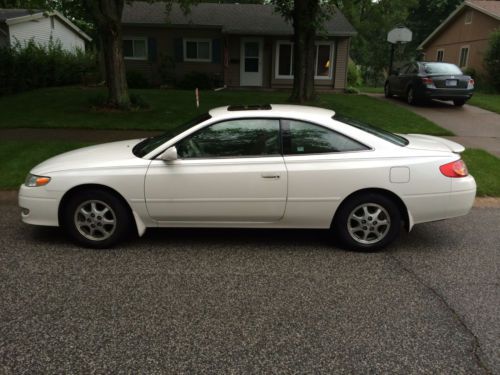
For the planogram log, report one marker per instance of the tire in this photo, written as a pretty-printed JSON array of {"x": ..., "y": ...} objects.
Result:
[
  {"x": 387, "y": 90},
  {"x": 359, "y": 230},
  {"x": 96, "y": 218},
  {"x": 459, "y": 102},
  {"x": 410, "y": 96}
]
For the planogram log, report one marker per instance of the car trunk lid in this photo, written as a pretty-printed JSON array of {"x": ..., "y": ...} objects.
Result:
[
  {"x": 450, "y": 81},
  {"x": 432, "y": 143}
]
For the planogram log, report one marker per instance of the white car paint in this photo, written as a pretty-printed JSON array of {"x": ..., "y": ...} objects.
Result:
[{"x": 292, "y": 191}]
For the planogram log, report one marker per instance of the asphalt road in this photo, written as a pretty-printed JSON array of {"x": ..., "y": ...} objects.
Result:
[{"x": 251, "y": 301}]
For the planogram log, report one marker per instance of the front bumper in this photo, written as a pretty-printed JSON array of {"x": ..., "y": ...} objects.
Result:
[{"x": 38, "y": 206}]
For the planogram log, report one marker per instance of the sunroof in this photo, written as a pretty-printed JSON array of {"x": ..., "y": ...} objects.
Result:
[{"x": 252, "y": 107}]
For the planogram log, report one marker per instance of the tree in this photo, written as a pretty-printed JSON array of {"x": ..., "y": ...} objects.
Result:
[{"x": 492, "y": 59}]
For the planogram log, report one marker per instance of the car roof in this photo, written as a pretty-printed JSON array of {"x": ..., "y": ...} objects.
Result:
[{"x": 272, "y": 110}]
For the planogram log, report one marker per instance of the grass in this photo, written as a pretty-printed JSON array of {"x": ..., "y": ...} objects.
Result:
[
  {"x": 482, "y": 165},
  {"x": 372, "y": 90},
  {"x": 28, "y": 154},
  {"x": 486, "y": 170},
  {"x": 69, "y": 107},
  {"x": 491, "y": 102}
]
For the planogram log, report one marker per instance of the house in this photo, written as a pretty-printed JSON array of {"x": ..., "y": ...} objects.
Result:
[
  {"x": 23, "y": 25},
  {"x": 462, "y": 38},
  {"x": 237, "y": 45}
]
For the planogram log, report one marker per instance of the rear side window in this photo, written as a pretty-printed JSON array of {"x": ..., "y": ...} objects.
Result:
[{"x": 306, "y": 138}]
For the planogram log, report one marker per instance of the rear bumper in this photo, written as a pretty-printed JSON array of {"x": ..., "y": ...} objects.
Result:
[{"x": 447, "y": 94}]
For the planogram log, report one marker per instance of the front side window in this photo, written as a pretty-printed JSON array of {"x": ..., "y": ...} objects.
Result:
[
  {"x": 233, "y": 138},
  {"x": 306, "y": 138},
  {"x": 135, "y": 48},
  {"x": 197, "y": 50}
]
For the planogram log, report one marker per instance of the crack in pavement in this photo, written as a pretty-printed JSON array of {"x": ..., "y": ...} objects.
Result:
[{"x": 475, "y": 341}]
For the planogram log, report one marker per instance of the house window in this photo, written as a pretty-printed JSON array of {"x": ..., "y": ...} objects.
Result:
[
  {"x": 464, "y": 56},
  {"x": 197, "y": 50},
  {"x": 468, "y": 17},
  {"x": 135, "y": 48},
  {"x": 440, "y": 55},
  {"x": 323, "y": 60}
]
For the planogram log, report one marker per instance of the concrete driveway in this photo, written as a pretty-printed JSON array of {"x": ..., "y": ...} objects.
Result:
[
  {"x": 474, "y": 127},
  {"x": 251, "y": 301}
]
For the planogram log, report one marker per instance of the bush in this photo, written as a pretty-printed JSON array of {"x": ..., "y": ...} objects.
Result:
[
  {"x": 195, "y": 80},
  {"x": 492, "y": 59},
  {"x": 137, "y": 80},
  {"x": 354, "y": 75},
  {"x": 351, "y": 90},
  {"x": 31, "y": 66}
]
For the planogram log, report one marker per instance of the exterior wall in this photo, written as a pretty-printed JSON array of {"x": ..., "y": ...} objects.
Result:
[
  {"x": 459, "y": 34},
  {"x": 41, "y": 32},
  {"x": 165, "y": 40}
]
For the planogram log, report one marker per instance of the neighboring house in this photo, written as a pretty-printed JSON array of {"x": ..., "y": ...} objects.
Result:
[
  {"x": 237, "y": 45},
  {"x": 23, "y": 25},
  {"x": 462, "y": 38}
]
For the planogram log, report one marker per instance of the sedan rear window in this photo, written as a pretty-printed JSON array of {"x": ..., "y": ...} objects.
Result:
[
  {"x": 384, "y": 134},
  {"x": 441, "y": 68}
]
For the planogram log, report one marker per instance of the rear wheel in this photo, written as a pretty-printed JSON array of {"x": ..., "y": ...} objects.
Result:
[
  {"x": 367, "y": 222},
  {"x": 459, "y": 102},
  {"x": 96, "y": 218},
  {"x": 387, "y": 90},
  {"x": 410, "y": 96}
]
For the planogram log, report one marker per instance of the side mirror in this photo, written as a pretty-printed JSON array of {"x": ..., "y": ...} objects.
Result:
[{"x": 170, "y": 154}]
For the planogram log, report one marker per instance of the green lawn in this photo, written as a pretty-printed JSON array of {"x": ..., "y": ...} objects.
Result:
[
  {"x": 372, "y": 90},
  {"x": 486, "y": 170},
  {"x": 69, "y": 107},
  {"x": 28, "y": 154},
  {"x": 491, "y": 102}
]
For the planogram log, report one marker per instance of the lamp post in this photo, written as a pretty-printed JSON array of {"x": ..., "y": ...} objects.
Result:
[{"x": 400, "y": 34}]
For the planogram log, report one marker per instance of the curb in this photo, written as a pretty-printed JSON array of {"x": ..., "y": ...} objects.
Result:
[{"x": 10, "y": 197}]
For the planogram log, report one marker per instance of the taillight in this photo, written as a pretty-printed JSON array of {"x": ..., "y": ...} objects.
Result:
[
  {"x": 454, "y": 169},
  {"x": 427, "y": 81},
  {"x": 471, "y": 82}
]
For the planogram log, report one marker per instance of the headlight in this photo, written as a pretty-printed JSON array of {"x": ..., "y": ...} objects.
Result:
[{"x": 33, "y": 181}]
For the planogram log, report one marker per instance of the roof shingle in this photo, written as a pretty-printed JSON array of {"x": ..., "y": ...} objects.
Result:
[{"x": 255, "y": 19}]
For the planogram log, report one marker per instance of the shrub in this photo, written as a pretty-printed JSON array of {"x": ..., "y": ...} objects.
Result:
[
  {"x": 492, "y": 59},
  {"x": 31, "y": 66},
  {"x": 195, "y": 80},
  {"x": 137, "y": 80},
  {"x": 354, "y": 75},
  {"x": 351, "y": 90}
]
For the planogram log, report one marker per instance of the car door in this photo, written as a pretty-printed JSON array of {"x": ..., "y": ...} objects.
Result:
[
  {"x": 230, "y": 171},
  {"x": 407, "y": 78},
  {"x": 395, "y": 80}
]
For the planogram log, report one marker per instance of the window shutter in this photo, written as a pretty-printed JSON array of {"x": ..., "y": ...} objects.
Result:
[
  {"x": 216, "y": 51},
  {"x": 178, "y": 50},
  {"x": 152, "y": 52}
]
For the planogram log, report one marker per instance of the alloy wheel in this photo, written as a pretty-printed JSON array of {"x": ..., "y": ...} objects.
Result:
[
  {"x": 95, "y": 220},
  {"x": 368, "y": 223}
]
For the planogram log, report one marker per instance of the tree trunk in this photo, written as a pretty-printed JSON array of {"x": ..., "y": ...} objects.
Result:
[
  {"x": 304, "y": 17},
  {"x": 108, "y": 14}
]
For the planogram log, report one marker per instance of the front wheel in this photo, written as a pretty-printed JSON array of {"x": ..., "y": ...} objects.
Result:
[
  {"x": 367, "y": 222},
  {"x": 96, "y": 219}
]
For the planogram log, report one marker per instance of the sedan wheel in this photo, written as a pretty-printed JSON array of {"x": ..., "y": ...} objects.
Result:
[
  {"x": 367, "y": 222},
  {"x": 387, "y": 91},
  {"x": 95, "y": 218},
  {"x": 410, "y": 96}
]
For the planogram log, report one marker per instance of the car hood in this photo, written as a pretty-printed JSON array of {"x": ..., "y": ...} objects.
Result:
[
  {"x": 432, "y": 143},
  {"x": 100, "y": 156}
]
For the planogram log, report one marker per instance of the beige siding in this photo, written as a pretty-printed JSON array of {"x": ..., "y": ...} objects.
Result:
[
  {"x": 458, "y": 34},
  {"x": 41, "y": 32},
  {"x": 341, "y": 61}
]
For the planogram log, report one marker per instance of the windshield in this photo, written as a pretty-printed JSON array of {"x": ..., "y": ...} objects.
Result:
[
  {"x": 441, "y": 68},
  {"x": 149, "y": 144},
  {"x": 385, "y": 135}
]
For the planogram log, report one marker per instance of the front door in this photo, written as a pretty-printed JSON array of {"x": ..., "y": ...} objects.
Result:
[
  {"x": 251, "y": 62},
  {"x": 231, "y": 171}
]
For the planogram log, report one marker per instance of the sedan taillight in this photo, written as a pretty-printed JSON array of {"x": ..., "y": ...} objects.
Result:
[
  {"x": 454, "y": 169},
  {"x": 427, "y": 81},
  {"x": 470, "y": 84}
]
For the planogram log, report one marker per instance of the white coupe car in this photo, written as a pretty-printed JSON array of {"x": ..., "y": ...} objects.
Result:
[{"x": 269, "y": 166}]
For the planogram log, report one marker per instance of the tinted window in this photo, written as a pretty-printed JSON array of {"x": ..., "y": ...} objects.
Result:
[
  {"x": 441, "y": 68},
  {"x": 413, "y": 69},
  {"x": 305, "y": 138},
  {"x": 388, "y": 136},
  {"x": 244, "y": 137},
  {"x": 149, "y": 144}
]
